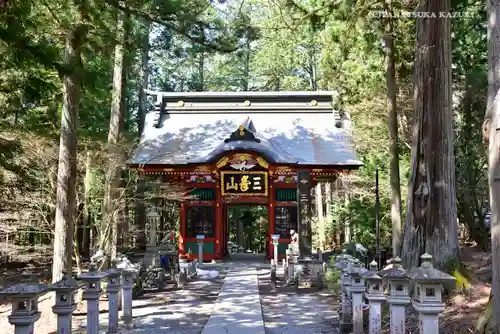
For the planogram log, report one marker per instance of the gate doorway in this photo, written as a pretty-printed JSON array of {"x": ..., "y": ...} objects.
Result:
[{"x": 245, "y": 230}]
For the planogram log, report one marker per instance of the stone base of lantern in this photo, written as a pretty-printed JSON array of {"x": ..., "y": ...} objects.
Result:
[
  {"x": 309, "y": 273},
  {"x": 151, "y": 257}
]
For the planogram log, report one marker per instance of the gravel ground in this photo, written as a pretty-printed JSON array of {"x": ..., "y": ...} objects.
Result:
[{"x": 288, "y": 312}]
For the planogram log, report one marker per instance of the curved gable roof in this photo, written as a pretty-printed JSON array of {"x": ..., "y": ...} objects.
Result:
[{"x": 289, "y": 127}]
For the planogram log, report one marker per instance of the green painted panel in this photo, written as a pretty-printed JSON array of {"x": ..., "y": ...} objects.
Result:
[
  {"x": 203, "y": 194},
  {"x": 208, "y": 247},
  {"x": 282, "y": 247},
  {"x": 286, "y": 194}
]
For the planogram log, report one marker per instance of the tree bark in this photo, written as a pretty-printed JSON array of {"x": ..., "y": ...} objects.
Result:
[
  {"x": 67, "y": 170},
  {"x": 431, "y": 221},
  {"x": 141, "y": 115},
  {"x": 492, "y": 136},
  {"x": 393, "y": 130},
  {"x": 87, "y": 183},
  {"x": 111, "y": 212}
]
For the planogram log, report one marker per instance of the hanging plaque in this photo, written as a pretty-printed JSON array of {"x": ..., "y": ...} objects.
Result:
[{"x": 244, "y": 183}]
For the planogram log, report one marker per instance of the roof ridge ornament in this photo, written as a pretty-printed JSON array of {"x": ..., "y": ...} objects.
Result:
[{"x": 242, "y": 133}]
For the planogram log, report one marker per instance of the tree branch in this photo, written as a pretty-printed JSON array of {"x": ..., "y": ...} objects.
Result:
[{"x": 171, "y": 25}]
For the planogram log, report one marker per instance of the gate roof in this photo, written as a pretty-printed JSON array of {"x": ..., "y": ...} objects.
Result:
[{"x": 285, "y": 127}]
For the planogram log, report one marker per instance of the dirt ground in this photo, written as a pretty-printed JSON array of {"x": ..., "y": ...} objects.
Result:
[{"x": 464, "y": 309}]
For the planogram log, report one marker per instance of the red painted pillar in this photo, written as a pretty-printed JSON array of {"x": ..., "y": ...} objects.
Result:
[
  {"x": 182, "y": 227},
  {"x": 270, "y": 219},
  {"x": 218, "y": 222}
]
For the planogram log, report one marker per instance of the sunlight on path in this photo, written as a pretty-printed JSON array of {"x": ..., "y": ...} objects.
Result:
[{"x": 237, "y": 309}]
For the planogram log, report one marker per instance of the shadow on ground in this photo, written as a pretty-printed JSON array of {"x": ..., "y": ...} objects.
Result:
[{"x": 288, "y": 312}]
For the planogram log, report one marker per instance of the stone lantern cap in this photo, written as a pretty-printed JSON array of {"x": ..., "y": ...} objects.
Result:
[
  {"x": 397, "y": 271},
  {"x": 125, "y": 265},
  {"x": 343, "y": 264},
  {"x": 114, "y": 272},
  {"x": 426, "y": 273},
  {"x": 93, "y": 275},
  {"x": 29, "y": 287},
  {"x": 67, "y": 283},
  {"x": 372, "y": 275}
]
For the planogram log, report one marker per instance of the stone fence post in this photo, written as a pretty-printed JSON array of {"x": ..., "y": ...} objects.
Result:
[
  {"x": 200, "y": 238},
  {"x": 275, "y": 241}
]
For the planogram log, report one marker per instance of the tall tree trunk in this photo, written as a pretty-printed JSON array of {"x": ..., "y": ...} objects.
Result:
[
  {"x": 246, "y": 69},
  {"x": 140, "y": 210},
  {"x": 431, "y": 219},
  {"x": 67, "y": 170},
  {"x": 87, "y": 183},
  {"x": 141, "y": 115},
  {"x": 111, "y": 212},
  {"x": 492, "y": 135},
  {"x": 201, "y": 71},
  {"x": 393, "y": 130}
]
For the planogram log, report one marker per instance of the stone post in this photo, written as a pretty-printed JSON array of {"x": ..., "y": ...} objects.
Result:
[
  {"x": 24, "y": 300},
  {"x": 357, "y": 290},
  {"x": 398, "y": 295},
  {"x": 65, "y": 305},
  {"x": 199, "y": 239},
  {"x": 304, "y": 210},
  {"x": 127, "y": 286},
  {"x": 91, "y": 295},
  {"x": 375, "y": 296},
  {"x": 343, "y": 263},
  {"x": 113, "y": 289},
  {"x": 151, "y": 258},
  {"x": 427, "y": 299},
  {"x": 275, "y": 239}
]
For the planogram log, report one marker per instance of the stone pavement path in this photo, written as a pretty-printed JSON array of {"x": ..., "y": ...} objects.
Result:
[
  {"x": 238, "y": 309},
  {"x": 176, "y": 311},
  {"x": 288, "y": 312}
]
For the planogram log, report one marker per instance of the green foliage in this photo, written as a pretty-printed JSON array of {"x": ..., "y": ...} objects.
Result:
[{"x": 332, "y": 278}]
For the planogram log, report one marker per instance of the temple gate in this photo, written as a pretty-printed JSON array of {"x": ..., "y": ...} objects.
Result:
[{"x": 244, "y": 148}]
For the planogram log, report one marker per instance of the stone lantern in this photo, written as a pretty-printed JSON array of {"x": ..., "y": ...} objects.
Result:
[
  {"x": 427, "y": 298},
  {"x": 65, "y": 302},
  {"x": 113, "y": 290},
  {"x": 343, "y": 263},
  {"x": 357, "y": 289},
  {"x": 398, "y": 296},
  {"x": 375, "y": 296},
  {"x": 92, "y": 294},
  {"x": 151, "y": 257},
  {"x": 24, "y": 299}
]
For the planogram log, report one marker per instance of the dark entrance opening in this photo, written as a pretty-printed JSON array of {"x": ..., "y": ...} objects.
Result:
[{"x": 246, "y": 229}]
